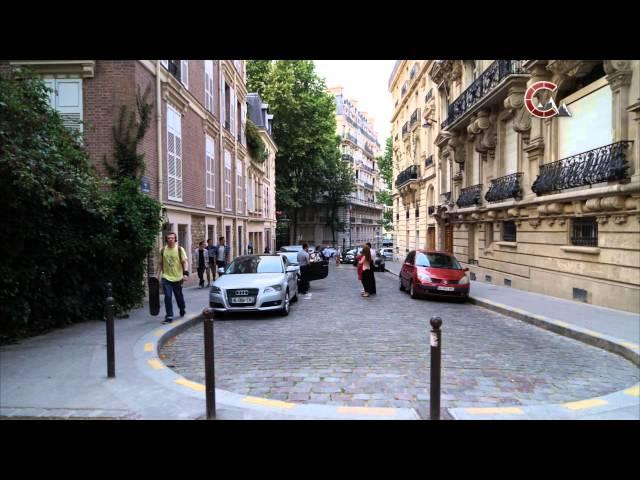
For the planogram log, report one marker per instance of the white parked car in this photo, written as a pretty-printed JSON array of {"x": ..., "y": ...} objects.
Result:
[
  {"x": 255, "y": 283},
  {"x": 387, "y": 253}
]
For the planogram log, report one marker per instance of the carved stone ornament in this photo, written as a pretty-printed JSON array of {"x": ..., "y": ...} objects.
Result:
[
  {"x": 534, "y": 222},
  {"x": 572, "y": 68},
  {"x": 602, "y": 220},
  {"x": 612, "y": 66},
  {"x": 613, "y": 203},
  {"x": 562, "y": 221},
  {"x": 457, "y": 145},
  {"x": 618, "y": 219},
  {"x": 513, "y": 212},
  {"x": 492, "y": 214},
  {"x": 593, "y": 205}
]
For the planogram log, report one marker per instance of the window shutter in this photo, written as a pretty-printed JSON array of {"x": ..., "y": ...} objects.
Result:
[
  {"x": 69, "y": 102},
  {"x": 233, "y": 112},
  {"x": 208, "y": 85},
  {"x": 223, "y": 102},
  {"x": 210, "y": 165},
  {"x": 227, "y": 180},
  {"x": 174, "y": 154},
  {"x": 243, "y": 115},
  {"x": 184, "y": 72}
]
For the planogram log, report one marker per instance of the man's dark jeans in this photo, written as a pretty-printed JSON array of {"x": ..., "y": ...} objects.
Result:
[
  {"x": 169, "y": 288},
  {"x": 304, "y": 279}
]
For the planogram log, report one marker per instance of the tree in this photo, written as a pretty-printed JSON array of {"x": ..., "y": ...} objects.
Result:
[
  {"x": 341, "y": 185},
  {"x": 304, "y": 130},
  {"x": 385, "y": 163}
]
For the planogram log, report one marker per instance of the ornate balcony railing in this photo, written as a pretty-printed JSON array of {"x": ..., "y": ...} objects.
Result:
[
  {"x": 470, "y": 196},
  {"x": 351, "y": 138},
  {"x": 405, "y": 129},
  {"x": 445, "y": 197},
  {"x": 481, "y": 87},
  {"x": 408, "y": 174},
  {"x": 428, "y": 161},
  {"x": 429, "y": 95},
  {"x": 602, "y": 164},
  {"x": 347, "y": 157},
  {"x": 413, "y": 120},
  {"x": 367, "y": 148},
  {"x": 368, "y": 185},
  {"x": 504, "y": 187},
  {"x": 431, "y": 210}
]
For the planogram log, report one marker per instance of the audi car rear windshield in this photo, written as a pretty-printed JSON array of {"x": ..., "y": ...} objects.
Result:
[
  {"x": 256, "y": 264},
  {"x": 436, "y": 260}
]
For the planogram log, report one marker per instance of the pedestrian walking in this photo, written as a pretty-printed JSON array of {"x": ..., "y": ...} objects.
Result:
[
  {"x": 373, "y": 250},
  {"x": 211, "y": 265},
  {"x": 267, "y": 250},
  {"x": 173, "y": 269},
  {"x": 359, "y": 263},
  {"x": 250, "y": 249},
  {"x": 221, "y": 253},
  {"x": 303, "y": 261},
  {"x": 368, "y": 279},
  {"x": 201, "y": 261}
]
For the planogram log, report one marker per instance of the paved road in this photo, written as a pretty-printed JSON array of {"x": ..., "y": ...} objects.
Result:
[{"x": 338, "y": 348}]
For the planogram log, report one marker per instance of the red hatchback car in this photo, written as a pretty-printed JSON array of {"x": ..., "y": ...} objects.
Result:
[{"x": 434, "y": 273}]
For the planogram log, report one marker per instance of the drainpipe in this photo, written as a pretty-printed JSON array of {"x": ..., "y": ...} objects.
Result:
[{"x": 159, "y": 138}]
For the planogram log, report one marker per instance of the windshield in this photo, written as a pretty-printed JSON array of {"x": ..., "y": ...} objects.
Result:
[
  {"x": 436, "y": 260},
  {"x": 256, "y": 264},
  {"x": 291, "y": 256}
]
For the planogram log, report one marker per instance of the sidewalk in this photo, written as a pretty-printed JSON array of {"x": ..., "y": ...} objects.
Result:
[
  {"x": 63, "y": 374},
  {"x": 612, "y": 330}
]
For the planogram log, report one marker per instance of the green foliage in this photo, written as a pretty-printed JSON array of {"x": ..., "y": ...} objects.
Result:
[
  {"x": 385, "y": 198},
  {"x": 341, "y": 184},
  {"x": 255, "y": 144},
  {"x": 385, "y": 163},
  {"x": 66, "y": 233},
  {"x": 304, "y": 129}
]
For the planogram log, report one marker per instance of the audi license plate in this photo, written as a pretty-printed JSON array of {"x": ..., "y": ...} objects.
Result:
[
  {"x": 243, "y": 300},
  {"x": 446, "y": 289}
]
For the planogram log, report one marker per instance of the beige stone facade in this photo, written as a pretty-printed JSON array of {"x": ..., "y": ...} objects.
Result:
[{"x": 546, "y": 205}]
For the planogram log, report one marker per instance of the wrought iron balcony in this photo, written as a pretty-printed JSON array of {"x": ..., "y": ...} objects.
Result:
[
  {"x": 413, "y": 72},
  {"x": 602, "y": 164},
  {"x": 445, "y": 197},
  {"x": 431, "y": 210},
  {"x": 429, "y": 95},
  {"x": 347, "y": 157},
  {"x": 470, "y": 196},
  {"x": 504, "y": 187},
  {"x": 428, "y": 161},
  {"x": 414, "y": 118},
  {"x": 481, "y": 87},
  {"x": 407, "y": 175},
  {"x": 368, "y": 148},
  {"x": 368, "y": 185},
  {"x": 405, "y": 129}
]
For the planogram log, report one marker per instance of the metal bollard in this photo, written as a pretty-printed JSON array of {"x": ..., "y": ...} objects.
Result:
[
  {"x": 436, "y": 348},
  {"x": 209, "y": 369},
  {"x": 111, "y": 351}
]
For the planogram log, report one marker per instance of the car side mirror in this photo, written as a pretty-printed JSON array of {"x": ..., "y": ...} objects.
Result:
[
  {"x": 466, "y": 269},
  {"x": 291, "y": 269},
  {"x": 221, "y": 270}
]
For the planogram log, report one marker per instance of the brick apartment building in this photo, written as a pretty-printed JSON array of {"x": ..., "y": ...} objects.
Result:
[{"x": 197, "y": 162}]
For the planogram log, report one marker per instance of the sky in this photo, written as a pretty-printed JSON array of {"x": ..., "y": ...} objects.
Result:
[{"x": 367, "y": 82}]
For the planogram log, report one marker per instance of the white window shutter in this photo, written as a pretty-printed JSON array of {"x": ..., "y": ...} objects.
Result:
[
  {"x": 233, "y": 112},
  {"x": 223, "y": 103},
  {"x": 208, "y": 85},
  {"x": 174, "y": 154},
  {"x": 69, "y": 102},
  {"x": 184, "y": 72},
  {"x": 210, "y": 166},
  {"x": 243, "y": 137}
]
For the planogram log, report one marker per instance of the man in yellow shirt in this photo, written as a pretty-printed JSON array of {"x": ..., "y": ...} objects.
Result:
[{"x": 173, "y": 271}]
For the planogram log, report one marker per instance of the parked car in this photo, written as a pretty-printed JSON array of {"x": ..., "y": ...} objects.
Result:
[
  {"x": 378, "y": 262},
  {"x": 387, "y": 253},
  {"x": 348, "y": 257},
  {"x": 255, "y": 283},
  {"x": 291, "y": 248},
  {"x": 428, "y": 272}
]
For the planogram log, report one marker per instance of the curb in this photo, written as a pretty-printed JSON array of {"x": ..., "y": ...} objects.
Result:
[
  {"x": 236, "y": 406},
  {"x": 613, "y": 403}
]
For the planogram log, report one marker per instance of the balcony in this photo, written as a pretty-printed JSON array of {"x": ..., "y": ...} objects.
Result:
[
  {"x": 413, "y": 120},
  {"x": 405, "y": 129},
  {"x": 431, "y": 210},
  {"x": 470, "y": 196},
  {"x": 368, "y": 149},
  {"x": 602, "y": 164},
  {"x": 428, "y": 96},
  {"x": 428, "y": 161},
  {"x": 413, "y": 72},
  {"x": 485, "y": 84},
  {"x": 407, "y": 175},
  {"x": 368, "y": 185},
  {"x": 504, "y": 187},
  {"x": 347, "y": 158}
]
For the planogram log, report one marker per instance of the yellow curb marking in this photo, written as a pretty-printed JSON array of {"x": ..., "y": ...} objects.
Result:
[
  {"x": 633, "y": 391},
  {"x": 268, "y": 403},
  {"x": 498, "y": 410},
  {"x": 592, "y": 333},
  {"x": 631, "y": 345},
  {"x": 192, "y": 385},
  {"x": 583, "y": 404},
  {"x": 148, "y": 347},
  {"x": 155, "y": 364},
  {"x": 368, "y": 411},
  {"x": 159, "y": 333},
  {"x": 558, "y": 322}
]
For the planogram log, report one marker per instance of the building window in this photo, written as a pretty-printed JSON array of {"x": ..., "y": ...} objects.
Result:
[
  {"x": 66, "y": 99},
  {"x": 208, "y": 85},
  {"x": 227, "y": 180},
  {"x": 509, "y": 231},
  {"x": 174, "y": 154},
  {"x": 584, "y": 232},
  {"x": 184, "y": 72},
  {"x": 250, "y": 194},
  {"x": 239, "y": 187},
  {"x": 211, "y": 175},
  {"x": 227, "y": 107}
]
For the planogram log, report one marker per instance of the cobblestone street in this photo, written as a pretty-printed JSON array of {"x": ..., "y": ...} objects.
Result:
[{"x": 340, "y": 349}]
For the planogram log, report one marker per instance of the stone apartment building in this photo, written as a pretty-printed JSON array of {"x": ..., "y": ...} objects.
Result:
[
  {"x": 197, "y": 163},
  {"x": 549, "y": 205}
]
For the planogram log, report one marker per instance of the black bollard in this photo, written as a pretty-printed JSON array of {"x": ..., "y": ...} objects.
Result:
[
  {"x": 436, "y": 347},
  {"x": 111, "y": 350},
  {"x": 209, "y": 369}
]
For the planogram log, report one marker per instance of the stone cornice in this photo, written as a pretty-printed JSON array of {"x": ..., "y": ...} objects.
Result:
[{"x": 83, "y": 68}]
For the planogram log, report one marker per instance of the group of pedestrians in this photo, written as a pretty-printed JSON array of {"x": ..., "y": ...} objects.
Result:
[{"x": 365, "y": 270}]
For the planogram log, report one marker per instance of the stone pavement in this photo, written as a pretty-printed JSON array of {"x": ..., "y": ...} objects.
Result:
[{"x": 612, "y": 330}]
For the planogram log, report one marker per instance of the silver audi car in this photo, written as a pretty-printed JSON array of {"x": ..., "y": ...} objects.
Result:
[{"x": 255, "y": 283}]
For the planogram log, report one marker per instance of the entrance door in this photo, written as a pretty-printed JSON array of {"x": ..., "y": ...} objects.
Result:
[
  {"x": 448, "y": 239},
  {"x": 471, "y": 243},
  {"x": 431, "y": 238}
]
